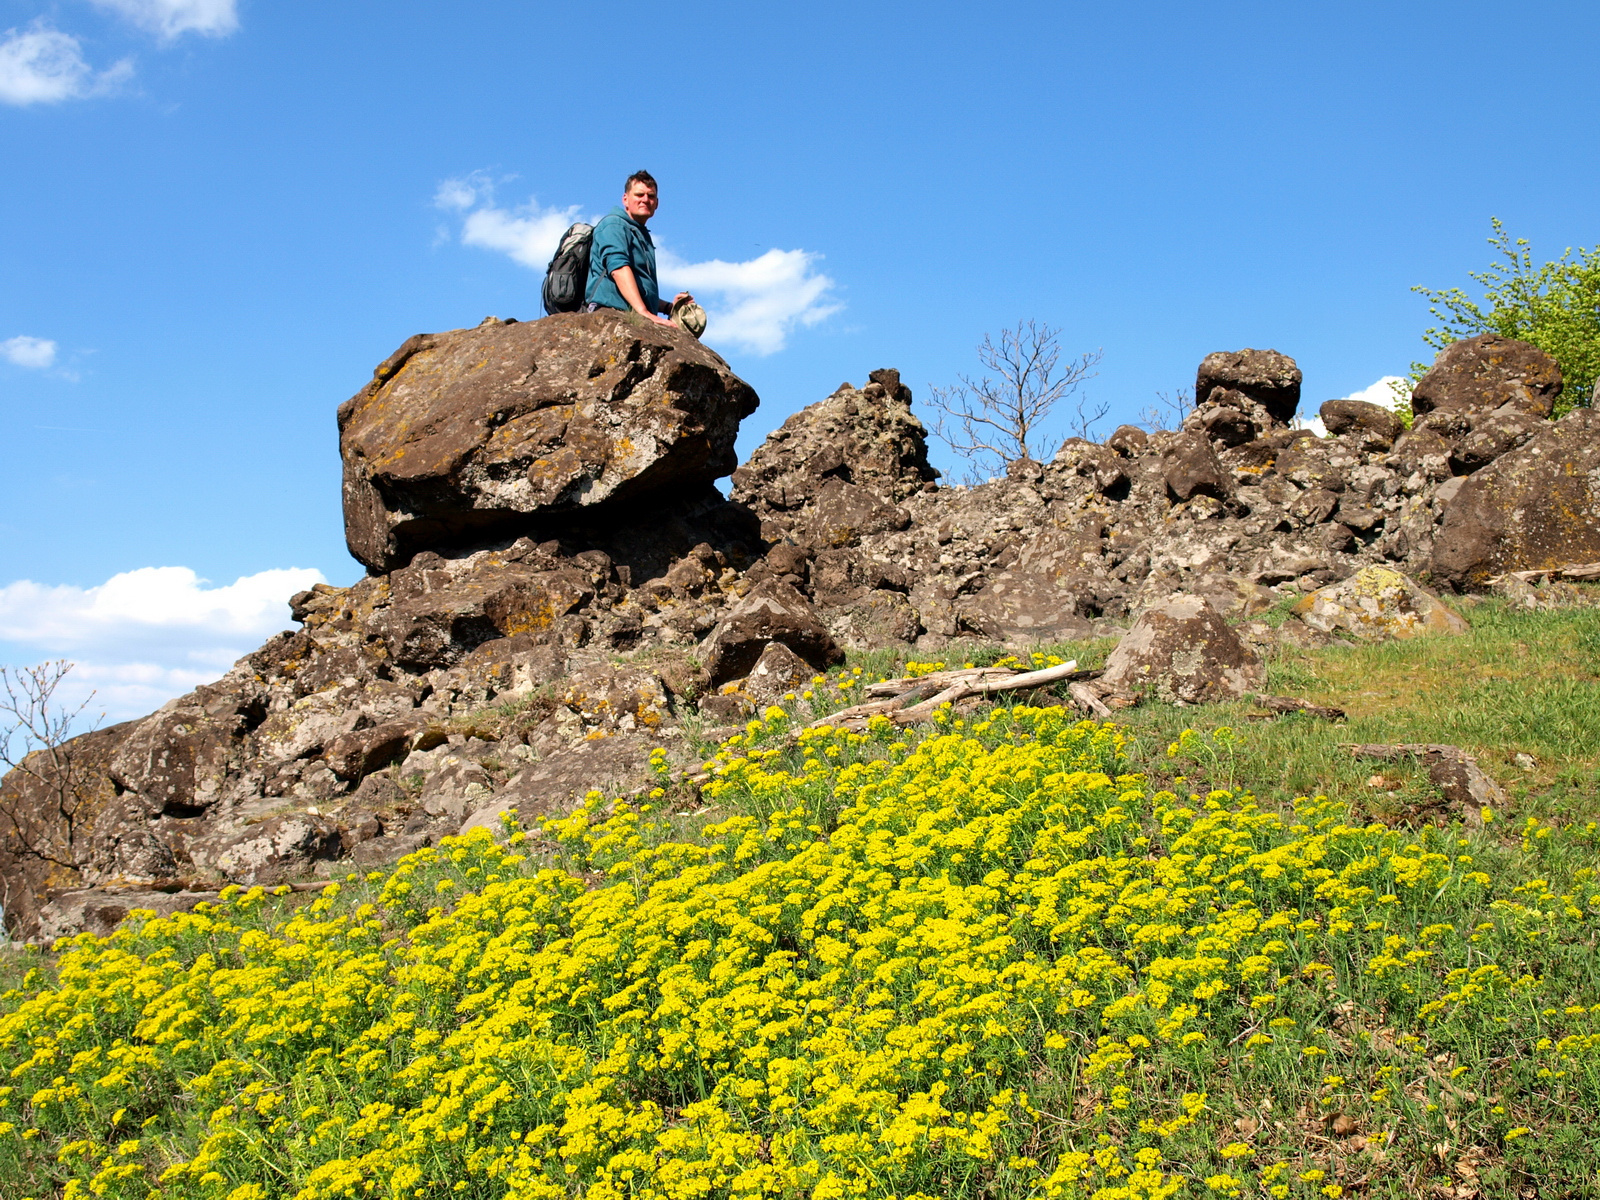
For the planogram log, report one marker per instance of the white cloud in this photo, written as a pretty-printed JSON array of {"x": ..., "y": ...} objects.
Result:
[
  {"x": 529, "y": 235},
  {"x": 755, "y": 304},
  {"x": 145, "y": 636},
  {"x": 41, "y": 65},
  {"x": 1390, "y": 392},
  {"x": 34, "y": 353},
  {"x": 169, "y": 18},
  {"x": 752, "y": 305}
]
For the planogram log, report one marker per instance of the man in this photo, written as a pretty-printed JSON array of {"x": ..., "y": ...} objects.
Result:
[{"x": 622, "y": 258}]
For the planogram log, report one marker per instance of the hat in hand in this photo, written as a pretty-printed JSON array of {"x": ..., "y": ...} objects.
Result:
[{"x": 686, "y": 314}]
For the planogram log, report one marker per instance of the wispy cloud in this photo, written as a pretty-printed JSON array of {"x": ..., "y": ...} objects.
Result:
[
  {"x": 752, "y": 305},
  {"x": 34, "y": 353},
  {"x": 42, "y": 65},
  {"x": 528, "y": 234},
  {"x": 145, "y": 636},
  {"x": 170, "y": 18}
]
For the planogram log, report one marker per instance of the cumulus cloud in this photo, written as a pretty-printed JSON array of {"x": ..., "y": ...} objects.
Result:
[
  {"x": 31, "y": 352},
  {"x": 756, "y": 304},
  {"x": 42, "y": 65},
  {"x": 145, "y": 636},
  {"x": 169, "y": 18},
  {"x": 752, "y": 305}
]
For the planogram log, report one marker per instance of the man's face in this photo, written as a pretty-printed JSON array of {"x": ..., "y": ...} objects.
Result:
[{"x": 639, "y": 202}]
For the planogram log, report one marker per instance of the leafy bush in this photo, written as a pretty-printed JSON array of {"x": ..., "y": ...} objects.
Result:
[
  {"x": 1555, "y": 305},
  {"x": 983, "y": 963}
]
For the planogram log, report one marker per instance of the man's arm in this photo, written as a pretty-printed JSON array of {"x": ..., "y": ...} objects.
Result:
[{"x": 629, "y": 287}]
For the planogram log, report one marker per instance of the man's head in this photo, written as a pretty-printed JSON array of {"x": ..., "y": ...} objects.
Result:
[{"x": 639, "y": 196}]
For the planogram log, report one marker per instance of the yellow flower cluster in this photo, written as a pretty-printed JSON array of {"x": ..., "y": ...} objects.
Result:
[{"x": 989, "y": 962}]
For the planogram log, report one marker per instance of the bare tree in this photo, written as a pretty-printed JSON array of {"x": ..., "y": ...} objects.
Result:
[
  {"x": 42, "y": 821},
  {"x": 1168, "y": 411},
  {"x": 991, "y": 422}
]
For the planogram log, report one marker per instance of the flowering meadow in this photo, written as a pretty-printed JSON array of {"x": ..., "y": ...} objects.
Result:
[{"x": 983, "y": 958}]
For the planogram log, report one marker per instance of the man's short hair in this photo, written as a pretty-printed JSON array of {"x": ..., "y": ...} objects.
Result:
[{"x": 643, "y": 177}]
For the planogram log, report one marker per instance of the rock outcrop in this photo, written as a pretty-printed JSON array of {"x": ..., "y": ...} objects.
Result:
[
  {"x": 1377, "y": 603},
  {"x": 1239, "y": 378},
  {"x": 1535, "y": 507},
  {"x": 555, "y": 584},
  {"x": 1183, "y": 652},
  {"x": 464, "y": 435}
]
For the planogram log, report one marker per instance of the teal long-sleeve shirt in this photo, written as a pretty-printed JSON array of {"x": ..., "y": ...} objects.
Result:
[{"x": 620, "y": 241}]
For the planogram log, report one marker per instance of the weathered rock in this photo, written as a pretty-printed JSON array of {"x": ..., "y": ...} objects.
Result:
[
  {"x": 875, "y": 620},
  {"x": 464, "y": 434},
  {"x": 845, "y": 512},
  {"x": 357, "y": 754},
  {"x": 279, "y": 848},
  {"x": 1128, "y": 440},
  {"x": 1377, "y": 603},
  {"x": 1265, "y": 376},
  {"x": 99, "y": 910},
  {"x": 1487, "y": 372},
  {"x": 1228, "y": 418},
  {"x": 865, "y": 437},
  {"x": 778, "y": 672},
  {"x": 1029, "y": 607},
  {"x": 1190, "y": 468},
  {"x": 1375, "y": 426},
  {"x": 772, "y": 612},
  {"x": 1536, "y": 507},
  {"x": 1493, "y": 434},
  {"x": 1182, "y": 652}
]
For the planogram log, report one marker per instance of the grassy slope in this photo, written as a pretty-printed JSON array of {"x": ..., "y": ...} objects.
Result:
[{"x": 1426, "y": 1101}]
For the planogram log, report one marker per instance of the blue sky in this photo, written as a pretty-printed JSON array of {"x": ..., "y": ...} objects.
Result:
[{"x": 220, "y": 214}]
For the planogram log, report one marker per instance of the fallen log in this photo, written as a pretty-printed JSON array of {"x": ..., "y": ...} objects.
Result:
[
  {"x": 1451, "y": 769},
  {"x": 1282, "y": 705},
  {"x": 1089, "y": 701},
  {"x": 958, "y": 685},
  {"x": 1573, "y": 572}
]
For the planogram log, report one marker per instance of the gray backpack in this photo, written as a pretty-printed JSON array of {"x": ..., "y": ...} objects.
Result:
[{"x": 568, "y": 273}]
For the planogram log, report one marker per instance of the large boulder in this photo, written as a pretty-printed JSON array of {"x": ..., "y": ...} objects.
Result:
[
  {"x": 1270, "y": 379},
  {"x": 1377, "y": 603},
  {"x": 465, "y": 435},
  {"x": 1182, "y": 652},
  {"x": 1486, "y": 372},
  {"x": 1534, "y": 508}
]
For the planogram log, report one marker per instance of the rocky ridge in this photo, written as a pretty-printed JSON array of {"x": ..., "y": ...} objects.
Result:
[{"x": 546, "y": 606}]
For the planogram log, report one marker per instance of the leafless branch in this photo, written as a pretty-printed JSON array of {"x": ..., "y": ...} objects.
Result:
[
  {"x": 46, "y": 827},
  {"x": 993, "y": 421},
  {"x": 1168, "y": 411}
]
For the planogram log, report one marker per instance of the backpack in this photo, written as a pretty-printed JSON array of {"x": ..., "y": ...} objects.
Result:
[{"x": 568, "y": 273}]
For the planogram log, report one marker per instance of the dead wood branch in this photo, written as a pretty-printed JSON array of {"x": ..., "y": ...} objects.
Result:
[{"x": 1283, "y": 705}]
